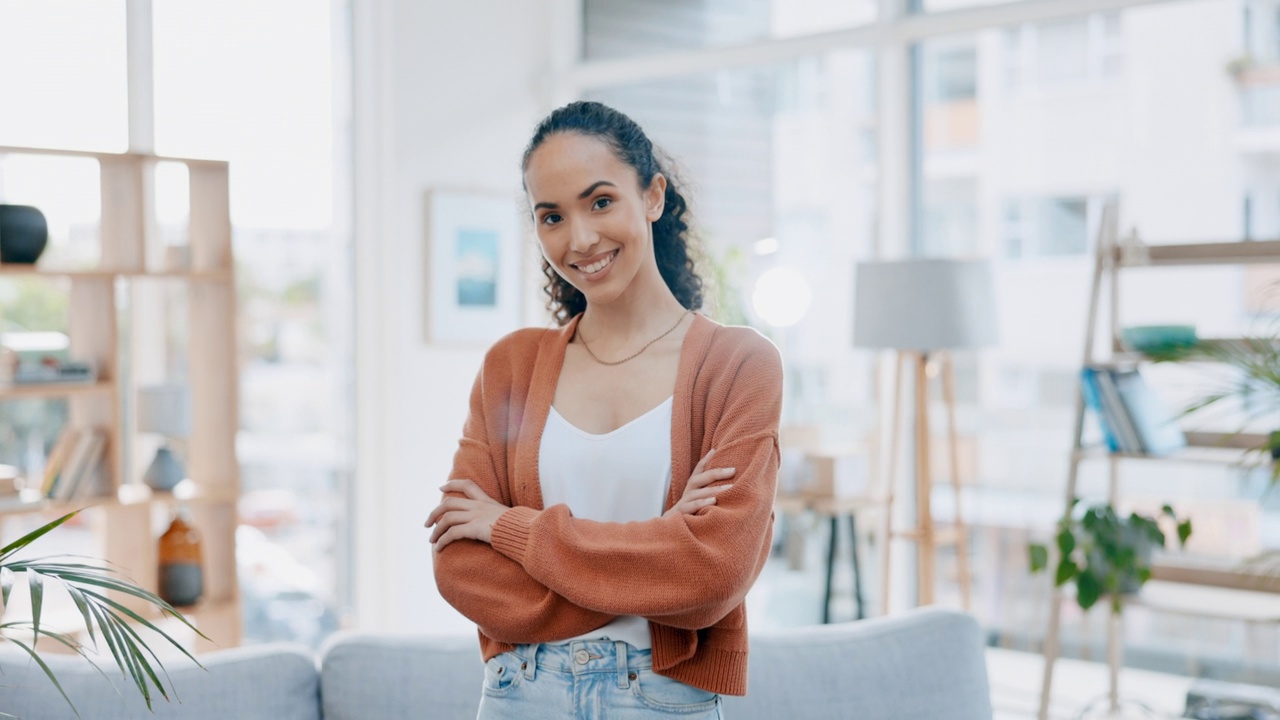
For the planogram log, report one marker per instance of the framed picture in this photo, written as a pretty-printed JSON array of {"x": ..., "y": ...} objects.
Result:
[{"x": 474, "y": 256}]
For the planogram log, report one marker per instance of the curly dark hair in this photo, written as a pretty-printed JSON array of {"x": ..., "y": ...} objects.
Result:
[{"x": 671, "y": 240}]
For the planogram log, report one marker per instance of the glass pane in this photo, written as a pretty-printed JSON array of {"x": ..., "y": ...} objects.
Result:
[
  {"x": 252, "y": 82},
  {"x": 628, "y": 28},
  {"x": 1027, "y": 133},
  {"x": 64, "y": 74}
]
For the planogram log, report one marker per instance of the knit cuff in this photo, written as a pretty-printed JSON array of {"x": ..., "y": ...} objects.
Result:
[{"x": 510, "y": 534}]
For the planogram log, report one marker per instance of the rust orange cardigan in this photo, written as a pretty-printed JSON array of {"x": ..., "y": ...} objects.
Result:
[{"x": 549, "y": 575}]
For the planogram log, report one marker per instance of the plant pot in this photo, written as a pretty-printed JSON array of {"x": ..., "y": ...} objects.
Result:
[{"x": 24, "y": 232}]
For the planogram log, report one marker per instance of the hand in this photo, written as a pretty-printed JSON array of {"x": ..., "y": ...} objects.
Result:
[
  {"x": 696, "y": 493},
  {"x": 471, "y": 516}
]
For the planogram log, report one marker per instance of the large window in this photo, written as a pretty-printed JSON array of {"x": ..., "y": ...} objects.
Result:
[
  {"x": 1020, "y": 134},
  {"x": 63, "y": 74},
  {"x": 255, "y": 83}
]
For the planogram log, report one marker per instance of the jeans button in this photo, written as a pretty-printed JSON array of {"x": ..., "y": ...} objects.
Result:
[{"x": 582, "y": 656}]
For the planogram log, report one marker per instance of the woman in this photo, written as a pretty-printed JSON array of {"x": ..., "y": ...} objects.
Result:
[{"x": 611, "y": 498}]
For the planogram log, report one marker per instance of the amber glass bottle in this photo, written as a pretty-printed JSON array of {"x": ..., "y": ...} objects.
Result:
[{"x": 181, "y": 574}]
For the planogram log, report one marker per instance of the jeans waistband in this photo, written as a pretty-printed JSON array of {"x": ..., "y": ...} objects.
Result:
[{"x": 585, "y": 656}]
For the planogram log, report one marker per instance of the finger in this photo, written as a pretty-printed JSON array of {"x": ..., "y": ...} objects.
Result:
[
  {"x": 448, "y": 521},
  {"x": 446, "y": 539},
  {"x": 704, "y": 479},
  {"x": 703, "y": 462},
  {"x": 466, "y": 487},
  {"x": 705, "y": 492},
  {"x": 693, "y": 506},
  {"x": 449, "y": 503}
]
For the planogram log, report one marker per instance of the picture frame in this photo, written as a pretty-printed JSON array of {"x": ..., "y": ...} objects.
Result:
[{"x": 474, "y": 259}]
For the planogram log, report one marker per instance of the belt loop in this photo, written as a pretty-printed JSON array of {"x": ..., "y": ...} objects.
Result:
[
  {"x": 531, "y": 660},
  {"x": 621, "y": 648}
]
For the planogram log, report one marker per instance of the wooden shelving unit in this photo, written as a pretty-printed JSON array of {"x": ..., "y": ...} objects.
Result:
[
  {"x": 1184, "y": 589},
  {"x": 128, "y": 519}
]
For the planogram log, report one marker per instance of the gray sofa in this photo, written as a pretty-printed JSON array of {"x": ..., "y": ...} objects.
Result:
[{"x": 923, "y": 665}]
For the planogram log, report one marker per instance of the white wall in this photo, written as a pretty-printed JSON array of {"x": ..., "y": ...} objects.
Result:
[{"x": 454, "y": 90}]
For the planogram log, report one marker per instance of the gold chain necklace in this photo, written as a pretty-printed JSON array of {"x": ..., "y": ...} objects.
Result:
[{"x": 637, "y": 353}]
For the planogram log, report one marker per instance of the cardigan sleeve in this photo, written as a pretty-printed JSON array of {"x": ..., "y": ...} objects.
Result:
[
  {"x": 492, "y": 590},
  {"x": 685, "y": 571}
]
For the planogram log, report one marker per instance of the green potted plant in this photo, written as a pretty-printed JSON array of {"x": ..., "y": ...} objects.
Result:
[
  {"x": 89, "y": 587},
  {"x": 1105, "y": 554}
]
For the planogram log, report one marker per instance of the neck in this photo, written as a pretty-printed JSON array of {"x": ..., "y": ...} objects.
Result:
[{"x": 646, "y": 309}]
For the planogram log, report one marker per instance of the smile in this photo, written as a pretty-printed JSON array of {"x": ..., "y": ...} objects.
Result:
[{"x": 596, "y": 264}]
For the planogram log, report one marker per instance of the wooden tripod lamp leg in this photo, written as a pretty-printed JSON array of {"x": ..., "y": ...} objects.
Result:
[
  {"x": 961, "y": 531},
  {"x": 890, "y": 478},
  {"x": 925, "y": 547}
]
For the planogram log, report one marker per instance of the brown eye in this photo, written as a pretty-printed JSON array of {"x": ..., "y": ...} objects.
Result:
[
  {"x": 551, "y": 219},
  {"x": 601, "y": 203}
]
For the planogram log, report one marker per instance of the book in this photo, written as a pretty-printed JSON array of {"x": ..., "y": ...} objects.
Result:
[
  {"x": 81, "y": 464},
  {"x": 1157, "y": 430},
  {"x": 1093, "y": 400},
  {"x": 1117, "y": 416},
  {"x": 57, "y": 457}
]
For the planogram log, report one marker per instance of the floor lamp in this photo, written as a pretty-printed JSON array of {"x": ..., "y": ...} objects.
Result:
[{"x": 923, "y": 309}]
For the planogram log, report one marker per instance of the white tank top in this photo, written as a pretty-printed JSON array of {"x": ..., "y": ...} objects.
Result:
[{"x": 621, "y": 476}]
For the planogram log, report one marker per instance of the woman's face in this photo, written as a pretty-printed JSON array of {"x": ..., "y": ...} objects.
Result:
[{"x": 593, "y": 219}]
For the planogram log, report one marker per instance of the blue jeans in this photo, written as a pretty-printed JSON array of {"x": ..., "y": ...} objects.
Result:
[{"x": 587, "y": 680}]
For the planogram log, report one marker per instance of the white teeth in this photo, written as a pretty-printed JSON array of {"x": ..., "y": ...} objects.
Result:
[{"x": 596, "y": 267}]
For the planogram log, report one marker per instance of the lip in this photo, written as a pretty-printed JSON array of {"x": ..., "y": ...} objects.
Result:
[{"x": 600, "y": 274}]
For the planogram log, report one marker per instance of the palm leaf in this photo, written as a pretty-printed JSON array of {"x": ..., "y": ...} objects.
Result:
[
  {"x": 69, "y": 642},
  {"x": 25, "y": 540},
  {"x": 142, "y": 621},
  {"x": 79, "y": 574},
  {"x": 36, "y": 583},
  {"x": 87, "y": 585},
  {"x": 48, "y": 673}
]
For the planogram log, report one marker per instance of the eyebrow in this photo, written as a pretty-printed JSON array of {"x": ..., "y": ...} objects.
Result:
[{"x": 581, "y": 196}]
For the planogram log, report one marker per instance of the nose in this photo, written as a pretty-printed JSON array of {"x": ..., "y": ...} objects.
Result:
[{"x": 582, "y": 237}]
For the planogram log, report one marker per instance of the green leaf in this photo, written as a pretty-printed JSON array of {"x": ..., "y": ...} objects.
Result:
[
  {"x": 83, "y": 605},
  {"x": 103, "y": 624},
  {"x": 1143, "y": 574},
  {"x": 124, "y": 658},
  {"x": 1067, "y": 569},
  {"x": 144, "y": 622},
  {"x": 36, "y": 583},
  {"x": 1088, "y": 590},
  {"x": 1065, "y": 541},
  {"x": 101, "y": 578},
  {"x": 49, "y": 673},
  {"x": 1039, "y": 557},
  {"x": 1184, "y": 532},
  {"x": 6, "y": 584},
  {"x": 1168, "y": 510},
  {"x": 32, "y": 536}
]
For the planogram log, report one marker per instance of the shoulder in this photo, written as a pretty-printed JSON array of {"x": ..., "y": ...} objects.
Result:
[
  {"x": 514, "y": 354},
  {"x": 741, "y": 349}
]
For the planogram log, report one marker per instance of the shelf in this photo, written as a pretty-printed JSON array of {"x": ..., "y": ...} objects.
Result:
[
  {"x": 1227, "y": 253},
  {"x": 127, "y": 496},
  {"x": 17, "y": 270},
  {"x": 10, "y": 150},
  {"x": 1189, "y": 454},
  {"x": 49, "y": 390},
  {"x": 1197, "y": 600}
]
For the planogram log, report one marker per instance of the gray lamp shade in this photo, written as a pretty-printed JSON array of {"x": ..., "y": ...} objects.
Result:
[
  {"x": 924, "y": 304},
  {"x": 165, "y": 409}
]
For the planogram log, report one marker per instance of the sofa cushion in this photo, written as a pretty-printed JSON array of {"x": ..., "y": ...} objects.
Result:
[
  {"x": 922, "y": 665},
  {"x": 261, "y": 682},
  {"x": 375, "y": 676}
]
